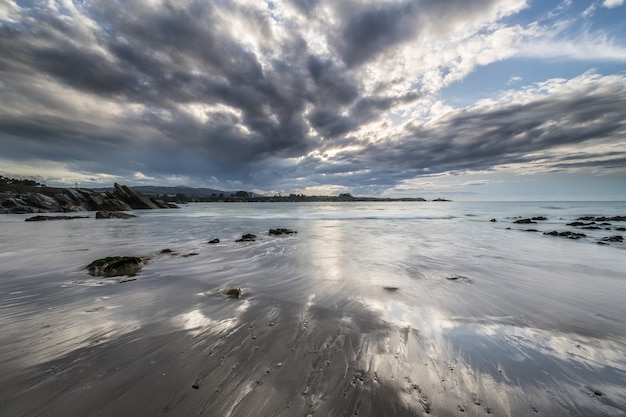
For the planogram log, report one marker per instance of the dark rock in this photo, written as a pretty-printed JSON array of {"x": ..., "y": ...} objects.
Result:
[
  {"x": 391, "y": 289},
  {"x": 137, "y": 200},
  {"x": 187, "y": 255},
  {"x": 247, "y": 238},
  {"x": 46, "y": 218},
  {"x": 78, "y": 199},
  {"x": 531, "y": 230},
  {"x": 591, "y": 228},
  {"x": 603, "y": 219},
  {"x": 113, "y": 215},
  {"x": 234, "y": 292},
  {"x": 113, "y": 266},
  {"x": 615, "y": 239},
  {"x": 214, "y": 241},
  {"x": 493, "y": 220},
  {"x": 458, "y": 278},
  {"x": 540, "y": 218},
  {"x": 569, "y": 235},
  {"x": 164, "y": 251},
  {"x": 524, "y": 221},
  {"x": 281, "y": 231},
  {"x": 579, "y": 224},
  {"x": 621, "y": 229}
]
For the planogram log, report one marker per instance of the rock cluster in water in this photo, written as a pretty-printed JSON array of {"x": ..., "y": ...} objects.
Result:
[
  {"x": 585, "y": 223},
  {"x": 70, "y": 200}
]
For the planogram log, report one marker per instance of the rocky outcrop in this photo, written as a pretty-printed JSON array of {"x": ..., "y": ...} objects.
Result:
[
  {"x": 80, "y": 199},
  {"x": 113, "y": 215},
  {"x": 48, "y": 218}
]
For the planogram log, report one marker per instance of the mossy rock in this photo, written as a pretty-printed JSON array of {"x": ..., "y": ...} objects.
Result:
[{"x": 113, "y": 266}]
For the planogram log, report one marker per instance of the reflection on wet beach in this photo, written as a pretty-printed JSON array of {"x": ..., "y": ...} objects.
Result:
[{"x": 438, "y": 314}]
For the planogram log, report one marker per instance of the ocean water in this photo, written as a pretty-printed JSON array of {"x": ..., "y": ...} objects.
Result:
[{"x": 508, "y": 310}]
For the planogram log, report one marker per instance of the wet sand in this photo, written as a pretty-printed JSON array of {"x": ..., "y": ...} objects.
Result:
[
  {"x": 262, "y": 356},
  {"x": 371, "y": 320}
]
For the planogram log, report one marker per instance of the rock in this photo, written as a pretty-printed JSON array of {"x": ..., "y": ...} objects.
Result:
[
  {"x": 524, "y": 221},
  {"x": 531, "y": 230},
  {"x": 167, "y": 250},
  {"x": 603, "y": 219},
  {"x": 281, "y": 231},
  {"x": 493, "y": 220},
  {"x": 614, "y": 239},
  {"x": 113, "y": 266},
  {"x": 247, "y": 238},
  {"x": 79, "y": 199},
  {"x": 214, "y": 241},
  {"x": 540, "y": 218},
  {"x": 137, "y": 200},
  {"x": 46, "y": 218},
  {"x": 569, "y": 235},
  {"x": 580, "y": 224},
  {"x": 234, "y": 292},
  {"x": 113, "y": 215}
]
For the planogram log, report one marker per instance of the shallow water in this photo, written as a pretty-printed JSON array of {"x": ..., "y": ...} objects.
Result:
[{"x": 483, "y": 312}]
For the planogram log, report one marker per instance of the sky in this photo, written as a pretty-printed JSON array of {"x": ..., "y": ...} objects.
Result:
[{"x": 463, "y": 99}]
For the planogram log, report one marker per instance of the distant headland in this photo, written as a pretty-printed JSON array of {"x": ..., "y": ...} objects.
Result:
[{"x": 28, "y": 196}]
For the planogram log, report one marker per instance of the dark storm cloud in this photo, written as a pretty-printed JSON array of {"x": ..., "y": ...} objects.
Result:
[
  {"x": 376, "y": 28},
  {"x": 130, "y": 74},
  {"x": 170, "y": 56}
]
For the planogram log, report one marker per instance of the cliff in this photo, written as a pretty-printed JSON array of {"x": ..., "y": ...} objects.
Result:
[{"x": 71, "y": 200}]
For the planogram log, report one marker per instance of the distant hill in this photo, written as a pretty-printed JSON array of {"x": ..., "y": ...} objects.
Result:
[{"x": 158, "y": 190}]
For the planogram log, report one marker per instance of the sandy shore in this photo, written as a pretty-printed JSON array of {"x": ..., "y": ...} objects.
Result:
[{"x": 260, "y": 356}]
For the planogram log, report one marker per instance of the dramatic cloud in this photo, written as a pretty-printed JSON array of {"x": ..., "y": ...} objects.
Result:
[{"x": 301, "y": 94}]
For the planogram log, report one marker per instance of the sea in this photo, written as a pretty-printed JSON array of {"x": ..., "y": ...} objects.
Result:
[{"x": 536, "y": 312}]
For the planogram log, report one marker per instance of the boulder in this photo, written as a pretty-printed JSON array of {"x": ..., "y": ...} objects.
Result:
[
  {"x": 234, "y": 292},
  {"x": 281, "y": 231},
  {"x": 113, "y": 266},
  {"x": 525, "y": 221},
  {"x": 214, "y": 241},
  {"x": 247, "y": 238}
]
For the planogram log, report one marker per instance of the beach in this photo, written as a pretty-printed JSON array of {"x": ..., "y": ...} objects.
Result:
[{"x": 370, "y": 309}]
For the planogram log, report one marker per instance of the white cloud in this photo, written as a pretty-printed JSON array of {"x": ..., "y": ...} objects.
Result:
[{"x": 612, "y": 3}]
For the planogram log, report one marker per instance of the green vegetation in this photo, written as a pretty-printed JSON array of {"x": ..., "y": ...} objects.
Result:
[{"x": 19, "y": 186}]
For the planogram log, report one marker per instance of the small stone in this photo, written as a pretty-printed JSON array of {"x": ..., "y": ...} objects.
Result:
[{"x": 234, "y": 292}]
